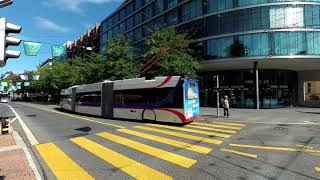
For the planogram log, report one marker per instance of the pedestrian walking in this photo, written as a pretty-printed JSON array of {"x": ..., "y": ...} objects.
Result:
[{"x": 225, "y": 104}]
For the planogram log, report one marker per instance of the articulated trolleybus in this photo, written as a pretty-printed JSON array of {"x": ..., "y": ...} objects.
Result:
[{"x": 166, "y": 99}]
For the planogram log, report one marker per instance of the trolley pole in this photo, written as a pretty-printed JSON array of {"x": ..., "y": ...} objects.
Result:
[{"x": 218, "y": 96}]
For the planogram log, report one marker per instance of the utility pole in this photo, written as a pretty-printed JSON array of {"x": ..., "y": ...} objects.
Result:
[
  {"x": 255, "y": 64},
  {"x": 218, "y": 95}
]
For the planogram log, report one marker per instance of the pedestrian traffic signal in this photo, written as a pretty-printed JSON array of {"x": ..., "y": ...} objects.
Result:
[{"x": 5, "y": 41}]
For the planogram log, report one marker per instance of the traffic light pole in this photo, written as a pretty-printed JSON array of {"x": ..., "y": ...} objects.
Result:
[{"x": 218, "y": 96}]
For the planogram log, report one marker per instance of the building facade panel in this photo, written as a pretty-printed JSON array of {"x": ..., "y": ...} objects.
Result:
[{"x": 229, "y": 30}]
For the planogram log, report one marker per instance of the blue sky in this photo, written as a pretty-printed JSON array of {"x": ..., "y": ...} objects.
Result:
[{"x": 52, "y": 21}]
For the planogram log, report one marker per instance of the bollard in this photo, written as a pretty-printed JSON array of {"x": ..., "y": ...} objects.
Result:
[{"x": 4, "y": 126}]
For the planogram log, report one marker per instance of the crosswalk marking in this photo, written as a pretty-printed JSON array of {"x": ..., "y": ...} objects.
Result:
[
  {"x": 127, "y": 165},
  {"x": 60, "y": 164},
  {"x": 191, "y": 130},
  {"x": 231, "y": 124},
  {"x": 191, "y": 147},
  {"x": 218, "y": 126},
  {"x": 159, "y": 153},
  {"x": 212, "y": 129},
  {"x": 239, "y": 153},
  {"x": 181, "y": 135}
]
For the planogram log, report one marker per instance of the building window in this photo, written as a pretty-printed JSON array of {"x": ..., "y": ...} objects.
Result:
[
  {"x": 123, "y": 14},
  {"x": 148, "y": 12},
  {"x": 129, "y": 8},
  {"x": 171, "y": 3},
  {"x": 138, "y": 34},
  {"x": 312, "y": 91},
  {"x": 122, "y": 27},
  {"x": 159, "y": 6},
  {"x": 116, "y": 18},
  {"x": 130, "y": 22},
  {"x": 138, "y": 18},
  {"x": 289, "y": 43},
  {"x": 138, "y": 4},
  {"x": 313, "y": 43},
  {"x": 191, "y": 10},
  {"x": 282, "y": 17},
  {"x": 172, "y": 17},
  {"x": 110, "y": 22}
]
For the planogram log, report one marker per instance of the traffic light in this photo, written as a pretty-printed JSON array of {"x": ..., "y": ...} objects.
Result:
[
  {"x": 4, "y": 3},
  {"x": 5, "y": 41}
]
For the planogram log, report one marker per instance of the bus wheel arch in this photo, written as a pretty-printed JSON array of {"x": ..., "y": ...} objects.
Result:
[{"x": 149, "y": 115}]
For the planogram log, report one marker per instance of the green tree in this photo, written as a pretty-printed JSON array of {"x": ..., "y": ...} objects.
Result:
[
  {"x": 54, "y": 78},
  {"x": 120, "y": 63},
  {"x": 90, "y": 69},
  {"x": 176, "y": 56}
]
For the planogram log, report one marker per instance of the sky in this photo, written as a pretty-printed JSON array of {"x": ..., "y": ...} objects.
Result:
[{"x": 52, "y": 22}]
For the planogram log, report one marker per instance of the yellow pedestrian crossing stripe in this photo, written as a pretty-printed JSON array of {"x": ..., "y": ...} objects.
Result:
[
  {"x": 60, "y": 164},
  {"x": 211, "y": 129},
  {"x": 127, "y": 165},
  {"x": 239, "y": 153},
  {"x": 230, "y": 124},
  {"x": 159, "y": 153},
  {"x": 63, "y": 167},
  {"x": 191, "y": 130},
  {"x": 181, "y": 135},
  {"x": 218, "y": 126},
  {"x": 183, "y": 145}
]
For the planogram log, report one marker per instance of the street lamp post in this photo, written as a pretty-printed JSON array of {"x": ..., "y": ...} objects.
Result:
[{"x": 218, "y": 95}]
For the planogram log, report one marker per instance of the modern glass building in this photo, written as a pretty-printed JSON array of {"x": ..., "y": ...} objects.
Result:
[{"x": 282, "y": 37}]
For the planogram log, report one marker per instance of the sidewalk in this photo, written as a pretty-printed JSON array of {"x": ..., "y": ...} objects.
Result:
[
  {"x": 282, "y": 115},
  {"x": 15, "y": 160}
]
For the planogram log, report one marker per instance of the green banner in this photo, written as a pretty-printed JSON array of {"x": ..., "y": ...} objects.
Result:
[
  {"x": 31, "y": 48},
  {"x": 18, "y": 83},
  {"x": 58, "y": 51},
  {"x": 4, "y": 84},
  {"x": 26, "y": 84}
]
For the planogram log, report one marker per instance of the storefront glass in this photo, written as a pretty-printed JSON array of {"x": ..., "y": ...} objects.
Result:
[{"x": 277, "y": 88}]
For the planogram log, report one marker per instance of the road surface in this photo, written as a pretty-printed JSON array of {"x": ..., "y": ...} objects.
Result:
[{"x": 84, "y": 147}]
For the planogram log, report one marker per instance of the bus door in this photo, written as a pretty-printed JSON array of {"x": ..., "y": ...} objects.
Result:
[{"x": 191, "y": 99}]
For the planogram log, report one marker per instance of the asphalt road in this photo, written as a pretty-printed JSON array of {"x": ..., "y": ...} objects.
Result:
[{"x": 91, "y": 147}]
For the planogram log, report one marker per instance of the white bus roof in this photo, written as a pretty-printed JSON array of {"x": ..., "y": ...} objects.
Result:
[{"x": 136, "y": 83}]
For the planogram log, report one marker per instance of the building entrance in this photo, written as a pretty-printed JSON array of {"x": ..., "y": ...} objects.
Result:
[{"x": 277, "y": 88}]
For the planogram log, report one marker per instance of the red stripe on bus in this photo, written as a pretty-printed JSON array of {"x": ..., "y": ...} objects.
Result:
[
  {"x": 165, "y": 81},
  {"x": 177, "y": 113},
  {"x": 180, "y": 115}
]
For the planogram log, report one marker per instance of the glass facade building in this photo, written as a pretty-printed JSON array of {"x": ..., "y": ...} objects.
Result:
[{"x": 283, "y": 36}]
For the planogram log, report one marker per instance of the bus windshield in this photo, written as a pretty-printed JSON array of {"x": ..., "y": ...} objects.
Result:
[{"x": 191, "y": 99}]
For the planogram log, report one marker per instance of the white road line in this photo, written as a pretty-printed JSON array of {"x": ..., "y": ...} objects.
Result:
[
  {"x": 30, "y": 136},
  {"x": 9, "y": 148},
  {"x": 13, "y": 120},
  {"x": 21, "y": 144}
]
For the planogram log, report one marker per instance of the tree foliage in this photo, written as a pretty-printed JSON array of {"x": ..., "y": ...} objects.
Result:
[
  {"x": 180, "y": 61},
  {"x": 119, "y": 62}
]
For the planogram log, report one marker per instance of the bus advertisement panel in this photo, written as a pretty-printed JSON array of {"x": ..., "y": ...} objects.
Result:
[{"x": 191, "y": 99}]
